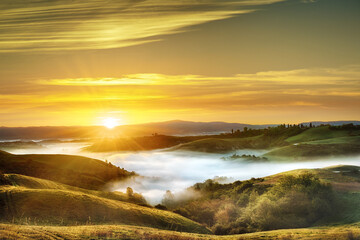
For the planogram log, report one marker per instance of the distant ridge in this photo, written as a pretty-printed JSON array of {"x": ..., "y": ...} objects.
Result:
[
  {"x": 333, "y": 123},
  {"x": 174, "y": 127}
]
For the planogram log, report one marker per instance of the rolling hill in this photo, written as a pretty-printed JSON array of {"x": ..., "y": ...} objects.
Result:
[
  {"x": 36, "y": 201},
  {"x": 294, "y": 199},
  {"x": 321, "y": 133},
  {"x": 288, "y": 144},
  {"x": 28, "y": 206},
  {"x": 72, "y": 170}
]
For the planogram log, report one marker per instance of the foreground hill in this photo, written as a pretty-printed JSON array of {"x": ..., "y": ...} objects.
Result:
[
  {"x": 14, "y": 232},
  {"x": 17, "y": 180},
  {"x": 294, "y": 199},
  {"x": 300, "y": 198},
  {"x": 27, "y": 200},
  {"x": 72, "y": 170}
]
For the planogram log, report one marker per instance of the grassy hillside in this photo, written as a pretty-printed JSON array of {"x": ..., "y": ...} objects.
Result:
[
  {"x": 304, "y": 151},
  {"x": 321, "y": 133},
  {"x": 139, "y": 143},
  {"x": 14, "y": 232},
  {"x": 57, "y": 206},
  {"x": 72, "y": 170},
  {"x": 37, "y": 183},
  {"x": 320, "y": 142},
  {"x": 337, "y": 140},
  {"x": 285, "y": 142},
  {"x": 296, "y": 198},
  {"x": 301, "y": 198},
  {"x": 268, "y": 138},
  {"x": 222, "y": 145}
]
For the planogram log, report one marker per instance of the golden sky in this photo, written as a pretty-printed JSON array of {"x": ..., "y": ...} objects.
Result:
[{"x": 251, "y": 61}]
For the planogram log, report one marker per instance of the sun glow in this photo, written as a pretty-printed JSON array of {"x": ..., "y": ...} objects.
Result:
[{"x": 110, "y": 122}]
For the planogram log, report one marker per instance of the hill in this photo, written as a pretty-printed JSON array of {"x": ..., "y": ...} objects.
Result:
[
  {"x": 51, "y": 203},
  {"x": 139, "y": 143},
  {"x": 294, "y": 199},
  {"x": 72, "y": 170},
  {"x": 222, "y": 145},
  {"x": 38, "y": 183},
  {"x": 321, "y": 133},
  {"x": 14, "y": 232},
  {"x": 285, "y": 142}
]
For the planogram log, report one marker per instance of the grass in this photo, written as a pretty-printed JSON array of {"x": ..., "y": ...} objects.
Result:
[
  {"x": 222, "y": 145},
  {"x": 65, "y": 207},
  {"x": 72, "y": 170},
  {"x": 305, "y": 151},
  {"x": 39, "y": 209},
  {"x": 12, "y": 232},
  {"x": 321, "y": 133},
  {"x": 310, "y": 143},
  {"x": 338, "y": 140},
  {"x": 344, "y": 174},
  {"x": 37, "y": 183}
]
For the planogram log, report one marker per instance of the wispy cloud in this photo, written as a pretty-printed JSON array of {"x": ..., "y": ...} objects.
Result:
[
  {"x": 96, "y": 24},
  {"x": 304, "y": 87},
  {"x": 349, "y": 75},
  {"x": 295, "y": 95}
]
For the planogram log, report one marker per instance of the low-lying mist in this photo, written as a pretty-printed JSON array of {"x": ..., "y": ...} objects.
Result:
[{"x": 177, "y": 170}]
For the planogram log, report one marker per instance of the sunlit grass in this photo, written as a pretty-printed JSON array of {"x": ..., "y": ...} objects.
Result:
[{"x": 9, "y": 231}]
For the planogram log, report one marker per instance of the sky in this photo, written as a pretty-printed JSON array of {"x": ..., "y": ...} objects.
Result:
[{"x": 73, "y": 62}]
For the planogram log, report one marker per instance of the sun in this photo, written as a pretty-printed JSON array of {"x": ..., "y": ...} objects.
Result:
[{"x": 110, "y": 122}]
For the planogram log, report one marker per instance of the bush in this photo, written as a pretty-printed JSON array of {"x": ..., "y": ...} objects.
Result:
[{"x": 293, "y": 202}]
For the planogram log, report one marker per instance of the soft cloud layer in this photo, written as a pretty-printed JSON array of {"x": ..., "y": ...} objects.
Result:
[
  {"x": 96, "y": 24},
  {"x": 299, "y": 76},
  {"x": 292, "y": 96}
]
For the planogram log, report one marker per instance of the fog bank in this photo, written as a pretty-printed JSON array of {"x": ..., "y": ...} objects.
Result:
[{"x": 178, "y": 170}]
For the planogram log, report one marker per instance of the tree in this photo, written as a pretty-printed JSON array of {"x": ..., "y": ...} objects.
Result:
[
  {"x": 129, "y": 191},
  {"x": 169, "y": 199}
]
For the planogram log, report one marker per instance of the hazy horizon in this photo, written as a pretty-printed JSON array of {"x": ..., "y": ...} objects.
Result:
[
  {"x": 181, "y": 120},
  {"x": 269, "y": 61}
]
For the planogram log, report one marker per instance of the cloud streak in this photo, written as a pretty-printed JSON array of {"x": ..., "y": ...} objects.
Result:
[
  {"x": 292, "y": 96},
  {"x": 95, "y": 24}
]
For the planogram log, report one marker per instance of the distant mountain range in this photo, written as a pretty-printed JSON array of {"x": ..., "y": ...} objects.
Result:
[{"x": 176, "y": 127}]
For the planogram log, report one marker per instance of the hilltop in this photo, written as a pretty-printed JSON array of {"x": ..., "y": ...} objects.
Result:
[{"x": 72, "y": 170}]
